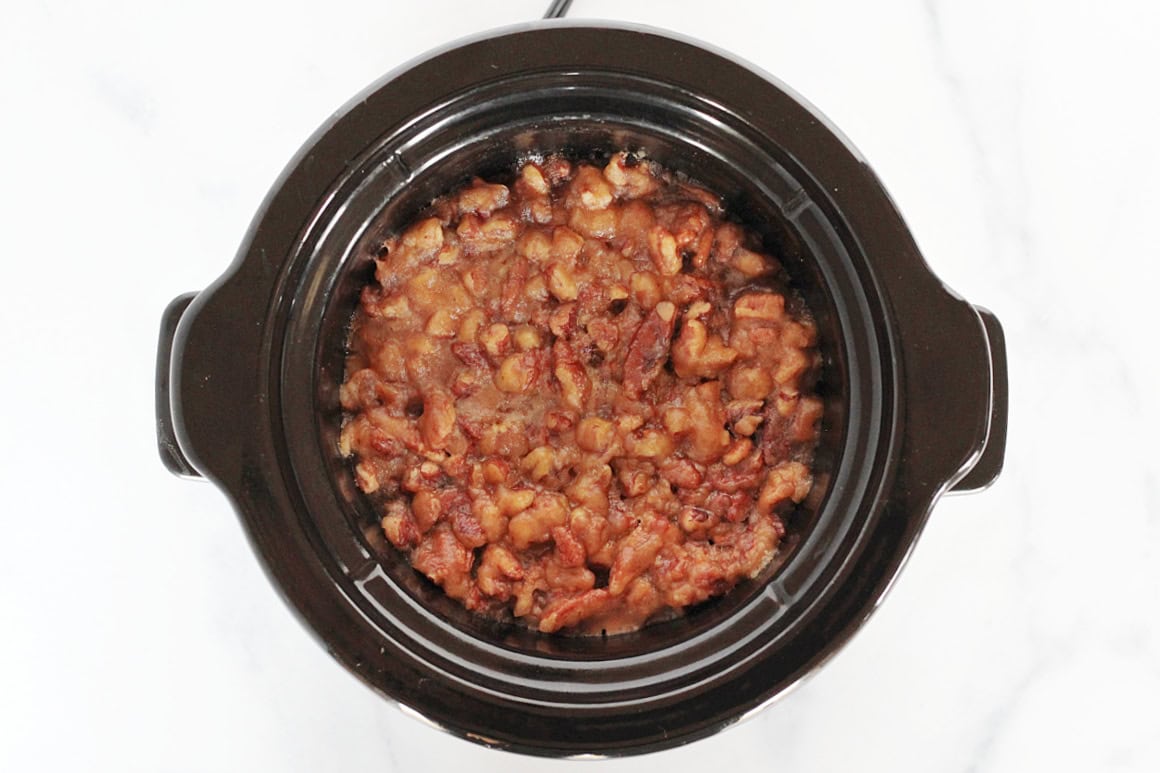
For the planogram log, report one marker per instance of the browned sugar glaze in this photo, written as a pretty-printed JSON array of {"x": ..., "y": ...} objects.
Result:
[{"x": 581, "y": 399}]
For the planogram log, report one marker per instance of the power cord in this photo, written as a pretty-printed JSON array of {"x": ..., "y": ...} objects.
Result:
[{"x": 557, "y": 9}]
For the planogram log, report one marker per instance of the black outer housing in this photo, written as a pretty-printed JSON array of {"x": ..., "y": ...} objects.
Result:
[{"x": 914, "y": 382}]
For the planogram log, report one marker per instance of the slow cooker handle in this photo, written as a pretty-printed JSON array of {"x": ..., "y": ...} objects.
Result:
[
  {"x": 172, "y": 456},
  {"x": 990, "y": 462}
]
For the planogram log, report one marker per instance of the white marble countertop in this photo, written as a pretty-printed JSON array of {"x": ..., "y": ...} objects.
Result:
[{"x": 1020, "y": 140}]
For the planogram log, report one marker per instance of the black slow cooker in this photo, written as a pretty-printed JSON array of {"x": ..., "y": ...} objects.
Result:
[{"x": 913, "y": 382}]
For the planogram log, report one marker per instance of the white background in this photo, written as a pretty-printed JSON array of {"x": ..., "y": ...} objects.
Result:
[{"x": 137, "y": 138}]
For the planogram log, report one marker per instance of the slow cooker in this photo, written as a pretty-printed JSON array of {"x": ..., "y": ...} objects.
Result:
[{"x": 913, "y": 380}]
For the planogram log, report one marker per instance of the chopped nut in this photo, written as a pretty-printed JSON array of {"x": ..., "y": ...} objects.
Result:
[
  {"x": 566, "y": 244},
  {"x": 691, "y": 223},
  {"x": 747, "y": 426},
  {"x": 535, "y": 245},
  {"x": 491, "y": 520},
  {"x": 677, "y": 420},
  {"x": 441, "y": 324},
  {"x": 448, "y": 255},
  {"x": 575, "y": 387},
  {"x": 763, "y": 306},
  {"x": 793, "y": 364},
  {"x": 594, "y": 223},
  {"x": 681, "y": 472},
  {"x": 416, "y": 245},
  {"x": 366, "y": 478},
  {"x": 571, "y": 610},
  {"x": 393, "y": 307},
  {"x": 750, "y": 382},
  {"x": 505, "y": 437},
  {"x": 696, "y": 353},
  {"x": 425, "y": 237},
  {"x": 511, "y": 502},
  {"x": 496, "y": 340},
  {"x": 663, "y": 249},
  {"x": 427, "y": 509},
  {"x": 346, "y": 439},
  {"x": 590, "y": 529},
  {"x": 697, "y": 521},
  {"x": 482, "y": 198},
  {"x": 498, "y": 567},
  {"x": 604, "y": 334},
  {"x": 646, "y": 291},
  {"x": 562, "y": 323},
  {"x": 470, "y": 324},
  {"x": 615, "y": 172},
  {"x": 539, "y": 462},
  {"x": 806, "y": 423},
  {"x": 698, "y": 309},
  {"x": 796, "y": 335},
  {"x": 516, "y": 373},
  {"x": 595, "y": 434},
  {"x": 527, "y": 338},
  {"x": 590, "y": 190},
  {"x": 513, "y": 293},
  {"x": 536, "y": 289},
  {"x": 438, "y": 419},
  {"x": 628, "y": 423},
  {"x": 709, "y": 438},
  {"x": 465, "y": 526},
  {"x": 418, "y": 349},
  {"x": 649, "y": 349},
  {"x": 424, "y": 289},
  {"x": 590, "y": 489},
  {"x": 637, "y": 552},
  {"x": 649, "y": 443},
  {"x": 559, "y": 421},
  {"x": 632, "y": 181},
  {"x": 750, "y": 264},
  {"x": 557, "y": 169},
  {"x": 400, "y": 527},
  {"x": 535, "y": 523},
  {"x": 534, "y": 179},
  {"x": 738, "y": 451},
  {"x": 569, "y": 551},
  {"x": 495, "y": 471},
  {"x": 789, "y": 481},
  {"x": 445, "y": 561},
  {"x": 561, "y": 282},
  {"x": 636, "y": 477},
  {"x": 485, "y": 235}
]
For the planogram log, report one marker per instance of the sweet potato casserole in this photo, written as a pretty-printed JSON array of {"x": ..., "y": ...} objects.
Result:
[{"x": 583, "y": 400}]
